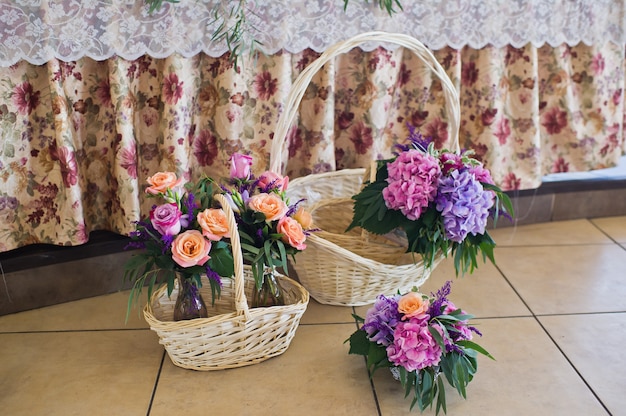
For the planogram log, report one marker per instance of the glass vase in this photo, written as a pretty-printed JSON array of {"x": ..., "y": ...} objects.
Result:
[
  {"x": 189, "y": 303},
  {"x": 270, "y": 293}
]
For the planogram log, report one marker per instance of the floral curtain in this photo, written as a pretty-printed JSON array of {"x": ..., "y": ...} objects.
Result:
[{"x": 79, "y": 138}]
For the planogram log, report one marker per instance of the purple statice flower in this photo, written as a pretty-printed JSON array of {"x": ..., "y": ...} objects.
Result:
[
  {"x": 414, "y": 347},
  {"x": 167, "y": 240},
  {"x": 440, "y": 299},
  {"x": 213, "y": 275},
  {"x": 293, "y": 208},
  {"x": 412, "y": 179},
  {"x": 381, "y": 319},
  {"x": 464, "y": 205},
  {"x": 417, "y": 140},
  {"x": 190, "y": 205}
]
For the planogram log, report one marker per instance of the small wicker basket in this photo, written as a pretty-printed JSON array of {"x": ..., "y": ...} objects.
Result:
[
  {"x": 234, "y": 335},
  {"x": 352, "y": 269}
]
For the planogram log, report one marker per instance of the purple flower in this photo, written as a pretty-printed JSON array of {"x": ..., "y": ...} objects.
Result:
[
  {"x": 439, "y": 299},
  {"x": 212, "y": 275},
  {"x": 412, "y": 179},
  {"x": 381, "y": 319},
  {"x": 414, "y": 348},
  {"x": 464, "y": 205},
  {"x": 166, "y": 219}
]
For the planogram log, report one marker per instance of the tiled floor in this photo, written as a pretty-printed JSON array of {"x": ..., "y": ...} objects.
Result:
[{"x": 553, "y": 313}]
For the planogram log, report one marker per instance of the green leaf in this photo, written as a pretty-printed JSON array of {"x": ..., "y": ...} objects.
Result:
[
  {"x": 359, "y": 344},
  {"x": 474, "y": 346}
]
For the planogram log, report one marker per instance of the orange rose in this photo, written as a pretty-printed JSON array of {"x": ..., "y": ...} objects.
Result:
[
  {"x": 292, "y": 233},
  {"x": 162, "y": 181},
  {"x": 303, "y": 217},
  {"x": 190, "y": 249},
  {"x": 271, "y": 205},
  {"x": 214, "y": 224},
  {"x": 413, "y": 304}
]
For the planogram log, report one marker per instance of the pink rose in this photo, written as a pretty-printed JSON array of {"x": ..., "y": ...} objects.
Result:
[
  {"x": 271, "y": 205},
  {"x": 292, "y": 233},
  {"x": 240, "y": 166},
  {"x": 191, "y": 249},
  {"x": 166, "y": 219},
  {"x": 162, "y": 181},
  {"x": 214, "y": 224},
  {"x": 275, "y": 180}
]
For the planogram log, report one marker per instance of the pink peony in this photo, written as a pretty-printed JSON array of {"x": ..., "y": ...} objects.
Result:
[
  {"x": 413, "y": 347},
  {"x": 166, "y": 219}
]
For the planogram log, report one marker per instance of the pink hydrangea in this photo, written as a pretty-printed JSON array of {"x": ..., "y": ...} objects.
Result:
[
  {"x": 481, "y": 174},
  {"x": 413, "y": 347},
  {"x": 412, "y": 179}
]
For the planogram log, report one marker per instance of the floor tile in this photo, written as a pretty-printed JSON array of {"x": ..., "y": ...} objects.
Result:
[
  {"x": 595, "y": 345},
  {"x": 615, "y": 227},
  {"x": 315, "y": 376},
  {"x": 530, "y": 377},
  {"x": 561, "y": 232},
  {"x": 567, "y": 279},
  {"x": 317, "y": 313},
  {"x": 471, "y": 290},
  {"x": 101, "y": 312},
  {"x": 78, "y": 373}
]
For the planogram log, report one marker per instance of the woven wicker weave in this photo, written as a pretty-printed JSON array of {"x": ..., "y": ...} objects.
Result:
[
  {"x": 233, "y": 335},
  {"x": 352, "y": 269}
]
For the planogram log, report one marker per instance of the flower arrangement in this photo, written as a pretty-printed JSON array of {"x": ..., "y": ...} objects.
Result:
[
  {"x": 184, "y": 236},
  {"x": 270, "y": 228},
  {"x": 420, "y": 338},
  {"x": 440, "y": 199}
]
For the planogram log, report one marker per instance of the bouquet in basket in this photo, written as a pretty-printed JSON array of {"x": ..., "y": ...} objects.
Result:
[
  {"x": 270, "y": 227},
  {"x": 422, "y": 339},
  {"x": 440, "y": 199},
  {"x": 184, "y": 238}
]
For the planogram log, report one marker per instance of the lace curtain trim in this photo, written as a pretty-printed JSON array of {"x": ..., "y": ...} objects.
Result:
[{"x": 39, "y": 30}]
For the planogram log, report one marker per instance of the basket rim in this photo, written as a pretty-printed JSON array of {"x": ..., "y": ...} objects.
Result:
[
  {"x": 303, "y": 300},
  {"x": 303, "y": 80}
]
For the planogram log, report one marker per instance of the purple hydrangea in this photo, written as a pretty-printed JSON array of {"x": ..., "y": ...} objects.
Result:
[
  {"x": 412, "y": 179},
  {"x": 381, "y": 319},
  {"x": 464, "y": 205}
]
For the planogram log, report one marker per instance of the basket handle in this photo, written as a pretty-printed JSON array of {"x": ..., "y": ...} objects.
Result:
[
  {"x": 302, "y": 81},
  {"x": 241, "y": 302}
]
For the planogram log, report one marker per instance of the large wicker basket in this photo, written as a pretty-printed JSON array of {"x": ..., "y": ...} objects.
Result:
[
  {"x": 352, "y": 269},
  {"x": 234, "y": 335}
]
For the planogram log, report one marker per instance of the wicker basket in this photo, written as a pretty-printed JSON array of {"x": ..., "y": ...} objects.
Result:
[
  {"x": 352, "y": 269},
  {"x": 233, "y": 335}
]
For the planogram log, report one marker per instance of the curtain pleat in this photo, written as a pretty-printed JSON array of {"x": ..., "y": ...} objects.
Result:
[{"x": 79, "y": 139}]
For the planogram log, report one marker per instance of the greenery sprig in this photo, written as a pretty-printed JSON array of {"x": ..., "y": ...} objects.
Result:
[{"x": 234, "y": 28}]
